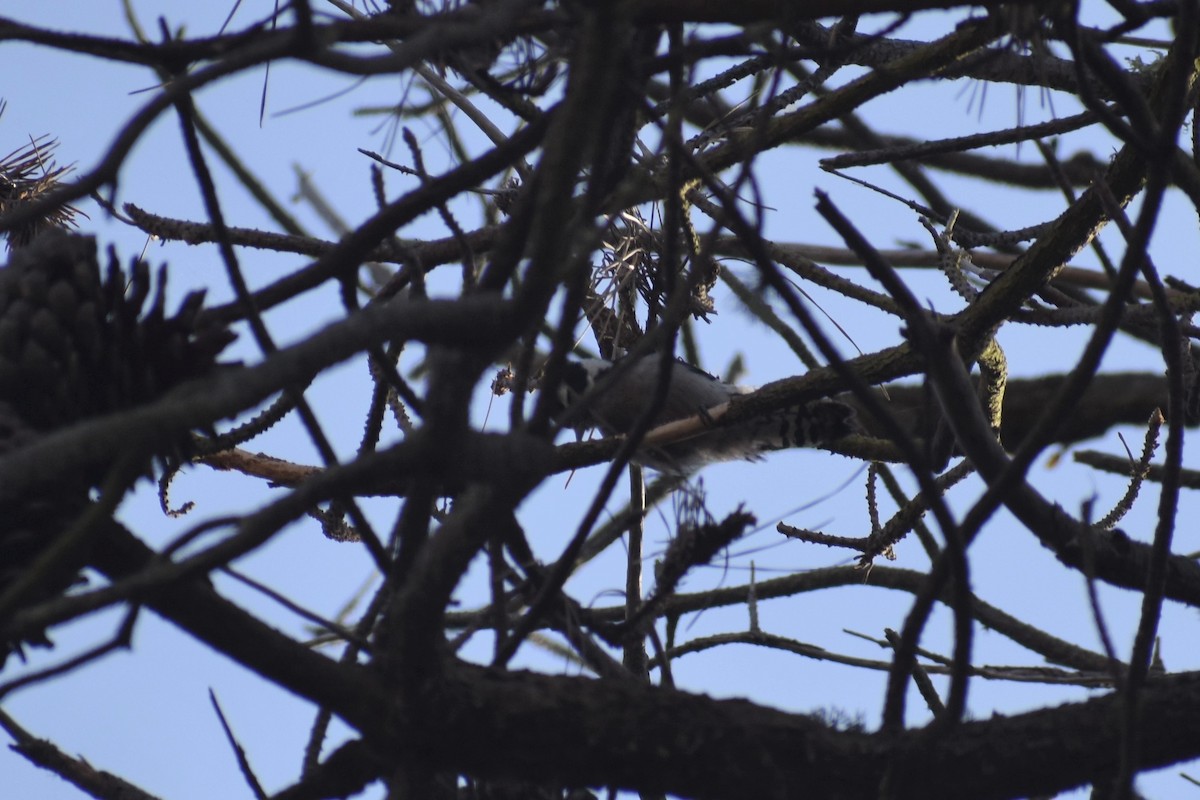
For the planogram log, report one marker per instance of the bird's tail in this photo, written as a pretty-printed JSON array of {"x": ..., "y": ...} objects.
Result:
[
  {"x": 816, "y": 423},
  {"x": 811, "y": 425}
]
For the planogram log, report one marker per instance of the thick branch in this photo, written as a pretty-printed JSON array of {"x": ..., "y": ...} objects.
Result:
[
  {"x": 582, "y": 732},
  {"x": 1119, "y": 398},
  {"x": 586, "y": 732}
]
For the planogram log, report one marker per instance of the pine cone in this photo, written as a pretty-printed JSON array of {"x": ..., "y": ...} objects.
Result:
[{"x": 72, "y": 347}]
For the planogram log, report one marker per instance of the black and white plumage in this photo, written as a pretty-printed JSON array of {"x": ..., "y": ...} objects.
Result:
[{"x": 612, "y": 396}]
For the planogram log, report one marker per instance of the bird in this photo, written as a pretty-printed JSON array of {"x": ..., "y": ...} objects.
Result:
[{"x": 613, "y": 395}]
